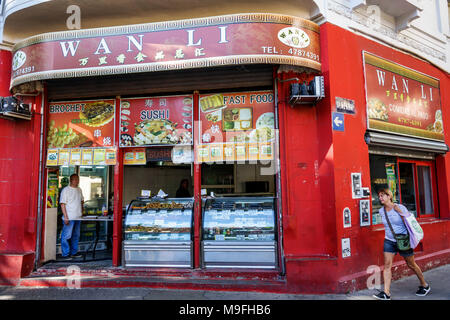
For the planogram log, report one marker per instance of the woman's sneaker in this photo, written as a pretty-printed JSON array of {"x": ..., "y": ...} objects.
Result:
[
  {"x": 423, "y": 291},
  {"x": 382, "y": 296}
]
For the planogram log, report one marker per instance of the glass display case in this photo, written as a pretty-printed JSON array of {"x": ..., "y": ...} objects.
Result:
[
  {"x": 239, "y": 232},
  {"x": 239, "y": 219},
  {"x": 158, "y": 232}
]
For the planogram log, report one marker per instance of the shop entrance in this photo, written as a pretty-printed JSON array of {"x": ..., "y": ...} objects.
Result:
[{"x": 95, "y": 241}]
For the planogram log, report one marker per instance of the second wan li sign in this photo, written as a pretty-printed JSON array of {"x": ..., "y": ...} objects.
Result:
[{"x": 401, "y": 100}]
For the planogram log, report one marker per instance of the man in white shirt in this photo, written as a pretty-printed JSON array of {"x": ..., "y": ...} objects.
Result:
[{"x": 72, "y": 207}]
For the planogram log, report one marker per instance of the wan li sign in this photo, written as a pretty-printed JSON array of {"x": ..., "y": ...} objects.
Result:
[
  {"x": 401, "y": 100},
  {"x": 183, "y": 44}
]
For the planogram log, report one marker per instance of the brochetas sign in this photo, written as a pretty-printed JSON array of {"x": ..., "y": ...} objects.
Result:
[{"x": 183, "y": 44}]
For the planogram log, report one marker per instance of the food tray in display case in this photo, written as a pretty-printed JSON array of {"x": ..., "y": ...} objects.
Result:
[
  {"x": 158, "y": 232},
  {"x": 239, "y": 232}
]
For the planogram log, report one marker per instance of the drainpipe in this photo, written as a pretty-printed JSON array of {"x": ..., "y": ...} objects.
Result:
[
  {"x": 40, "y": 202},
  {"x": 278, "y": 177}
]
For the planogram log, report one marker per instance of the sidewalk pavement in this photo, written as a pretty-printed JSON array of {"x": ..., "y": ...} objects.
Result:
[{"x": 403, "y": 289}]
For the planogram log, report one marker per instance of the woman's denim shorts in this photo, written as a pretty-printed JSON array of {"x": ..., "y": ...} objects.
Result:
[{"x": 391, "y": 246}]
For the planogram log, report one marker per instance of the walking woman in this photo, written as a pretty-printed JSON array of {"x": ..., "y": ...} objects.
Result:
[{"x": 394, "y": 214}]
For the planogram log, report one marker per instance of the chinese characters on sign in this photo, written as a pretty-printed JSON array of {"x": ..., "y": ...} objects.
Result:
[
  {"x": 401, "y": 100},
  {"x": 156, "y": 121},
  {"x": 81, "y": 124},
  {"x": 214, "y": 41},
  {"x": 81, "y": 133}
]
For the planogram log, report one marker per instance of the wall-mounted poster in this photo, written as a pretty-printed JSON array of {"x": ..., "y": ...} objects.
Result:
[
  {"x": 81, "y": 124},
  {"x": 111, "y": 156},
  {"x": 52, "y": 157},
  {"x": 63, "y": 157},
  {"x": 134, "y": 156},
  {"x": 75, "y": 157},
  {"x": 52, "y": 189},
  {"x": 401, "y": 100},
  {"x": 99, "y": 157},
  {"x": 347, "y": 217},
  {"x": 391, "y": 179},
  {"x": 156, "y": 121},
  {"x": 346, "y": 250},
  {"x": 86, "y": 156}
]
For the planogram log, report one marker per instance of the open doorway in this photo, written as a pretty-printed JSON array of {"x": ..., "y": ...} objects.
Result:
[{"x": 96, "y": 223}]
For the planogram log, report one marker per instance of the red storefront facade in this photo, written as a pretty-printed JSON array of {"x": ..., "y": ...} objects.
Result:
[{"x": 316, "y": 163}]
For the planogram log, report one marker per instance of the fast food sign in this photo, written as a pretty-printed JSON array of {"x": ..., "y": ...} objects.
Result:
[
  {"x": 401, "y": 100},
  {"x": 76, "y": 124},
  {"x": 183, "y": 44},
  {"x": 236, "y": 127},
  {"x": 156, "y": 121}
]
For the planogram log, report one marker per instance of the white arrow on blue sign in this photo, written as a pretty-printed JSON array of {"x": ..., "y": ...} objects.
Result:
[{"x": 338, "y": 121}]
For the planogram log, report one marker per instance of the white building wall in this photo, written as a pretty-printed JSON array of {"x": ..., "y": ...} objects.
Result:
[{"x": 420, "y": 27}]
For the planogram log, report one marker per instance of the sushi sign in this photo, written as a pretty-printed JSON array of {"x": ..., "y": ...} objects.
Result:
[
  {"x": 156, "y": 121},
  {"x": 401, "y": 100}
]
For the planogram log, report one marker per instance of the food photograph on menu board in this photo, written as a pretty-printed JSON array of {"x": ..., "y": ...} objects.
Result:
[
  {"x": 235, "y": 126},
  {"x": 156, "y": 121},
  {"x": 80, "y": 124}
]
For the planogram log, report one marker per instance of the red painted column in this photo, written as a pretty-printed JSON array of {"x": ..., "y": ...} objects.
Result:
[
  {"x": 118, "y": 189},
  {"x": 5, "y": 72},
  {"x": 37, "y": 175},
  {"x": 197, "y": 186},
  {"x": 284, "y": 196}
]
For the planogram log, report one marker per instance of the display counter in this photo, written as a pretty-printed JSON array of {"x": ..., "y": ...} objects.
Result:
[
  {"x": 158, "y": 233},
  {"x": 239, "y": 233}
]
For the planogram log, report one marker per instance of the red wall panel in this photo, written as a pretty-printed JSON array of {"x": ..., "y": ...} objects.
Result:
[
  {"x": 316, "y": 172},
  {"x": 18, "y": 173}
]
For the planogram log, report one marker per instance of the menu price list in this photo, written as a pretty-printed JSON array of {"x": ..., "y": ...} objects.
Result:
[{"x": 81, "y": 156}]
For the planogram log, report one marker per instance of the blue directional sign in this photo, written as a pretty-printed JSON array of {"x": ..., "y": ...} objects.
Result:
[{"x": 338, "y": 121}]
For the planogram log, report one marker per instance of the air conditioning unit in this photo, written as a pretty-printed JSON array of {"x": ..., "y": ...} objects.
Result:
[
  {"x": 11, "y": 107},
  {"x": 307, "y": 93}
]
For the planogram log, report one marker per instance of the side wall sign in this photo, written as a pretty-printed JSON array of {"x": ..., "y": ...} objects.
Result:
[
  {"x": 401, "y": 100},
  {"x": 183, "y": 44}
]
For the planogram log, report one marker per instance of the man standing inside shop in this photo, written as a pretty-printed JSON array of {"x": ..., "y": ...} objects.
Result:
[{"x": 72, "y": 207}]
